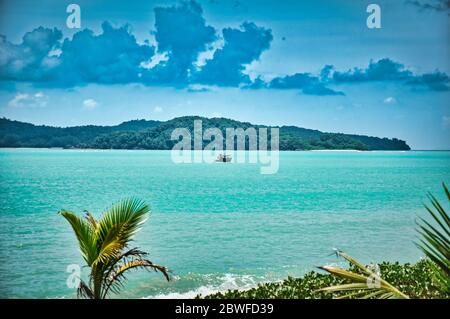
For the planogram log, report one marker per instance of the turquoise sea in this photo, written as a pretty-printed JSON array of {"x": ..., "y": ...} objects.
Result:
[{"x": 216, "y": 226}]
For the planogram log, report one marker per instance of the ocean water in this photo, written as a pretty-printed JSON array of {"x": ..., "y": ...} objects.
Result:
[{"x": 216, "y": 226}]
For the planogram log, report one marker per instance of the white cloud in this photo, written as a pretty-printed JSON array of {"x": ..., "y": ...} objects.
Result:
[
  {"x": 155, "y": 60},
  {"x": 18, "y": 99},
  {"x": 390, "y": 100},
  {"x": 38, "y": 99},
  {"x": 204, "y": 56},
  {"x": 90, "y": 104},
  {"x": 158, "y": 109},
  {"x": 201, "y": 88},
  {"x": 55, "y": 52}
]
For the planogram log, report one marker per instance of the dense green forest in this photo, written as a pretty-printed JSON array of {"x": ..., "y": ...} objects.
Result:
[{"x": 152, "y": 135}]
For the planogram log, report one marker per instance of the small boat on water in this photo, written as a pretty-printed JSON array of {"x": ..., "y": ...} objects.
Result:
[{"x": 223, "y": 158}]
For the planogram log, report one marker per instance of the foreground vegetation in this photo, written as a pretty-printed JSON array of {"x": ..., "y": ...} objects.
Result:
[{"x": 415, "y": 280}]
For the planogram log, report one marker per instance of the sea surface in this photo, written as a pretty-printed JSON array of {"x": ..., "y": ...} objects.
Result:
[{"x": 216, "y": 226}]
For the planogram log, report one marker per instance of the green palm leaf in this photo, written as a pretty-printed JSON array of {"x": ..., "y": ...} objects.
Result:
[
  {"x": 114, "y": 282},
  {"x": 128, "y": 215},
  {"x": 111, "y": 246},
  {"x": 362, "y": 283},
  {"x": 435, "y": 241},
  {"x": 84, "y": 234},
  {"x": 84, "y": 291}
]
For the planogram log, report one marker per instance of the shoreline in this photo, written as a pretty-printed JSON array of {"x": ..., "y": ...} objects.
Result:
[
  {"x": 123, "y": 149},
  {"x": 309, "y": 285}
]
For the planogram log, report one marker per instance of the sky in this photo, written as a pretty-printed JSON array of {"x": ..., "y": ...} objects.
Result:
[{"x": 312, "y": 64}]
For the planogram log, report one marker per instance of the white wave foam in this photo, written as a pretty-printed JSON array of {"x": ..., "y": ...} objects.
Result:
[{"x": 225, "y": 282}]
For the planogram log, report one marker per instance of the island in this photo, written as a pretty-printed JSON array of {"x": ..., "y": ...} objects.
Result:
[{"x": 156, "y": 135}]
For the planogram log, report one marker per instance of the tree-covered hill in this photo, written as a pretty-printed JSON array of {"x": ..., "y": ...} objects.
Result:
[
  {"x": 20, "y": 134},
  {"x": 143, "y": 134}
]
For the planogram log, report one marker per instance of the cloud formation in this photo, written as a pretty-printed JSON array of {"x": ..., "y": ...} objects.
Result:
[
  {"x": 390, "y": 100},
  {"x": 113, "y": 56},
  {"x": 182, "y": 33},
  {"x": 436, "y": 5},
  {"x": 382, "y": 70},
  {"x": 182, "y": 37},
  {"x": 387, "y": 70},
  {"x": 31, "y": 59},
  {"x": 158, "y": 109},
  {"x": 38, "y": 99},
  {"x": 90, "y": 104},
  {"x": 309, "y": 84},
  {"x": 241, "y": 47}
]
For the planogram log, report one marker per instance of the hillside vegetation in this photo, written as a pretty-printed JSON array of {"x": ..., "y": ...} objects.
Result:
[{"x": 156, "y": 135}]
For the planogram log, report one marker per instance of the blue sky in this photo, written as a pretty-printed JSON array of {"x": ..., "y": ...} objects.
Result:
[{"x": 313, "y": 64}]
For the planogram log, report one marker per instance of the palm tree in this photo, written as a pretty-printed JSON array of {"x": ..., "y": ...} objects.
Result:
[
  {"x": 104, "y": 247},
  {"x": 434, "y": 242}
]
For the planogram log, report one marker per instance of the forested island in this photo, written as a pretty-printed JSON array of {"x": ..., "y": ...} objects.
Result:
[{"x": 156, "y": 135}]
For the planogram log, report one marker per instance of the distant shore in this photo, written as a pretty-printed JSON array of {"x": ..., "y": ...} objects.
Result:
[
  {"x": 157, "y": 135},
  {"x": 142, "y": 149},
  {"x": 340, "y": 151}
]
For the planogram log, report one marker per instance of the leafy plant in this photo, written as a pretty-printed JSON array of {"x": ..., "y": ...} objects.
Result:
[
  {"x": 104, "y": 246},
  {"x": 414, "y": 280},
  {"x": 366, "y": 283},
  {"x": 434, "y": 243}
]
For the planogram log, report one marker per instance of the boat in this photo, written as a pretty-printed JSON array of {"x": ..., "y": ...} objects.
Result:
[{"x": 223, "y": 158}]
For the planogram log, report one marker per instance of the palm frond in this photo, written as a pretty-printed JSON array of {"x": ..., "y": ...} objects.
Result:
[
  {"x": 435, "y": 241},
  {"x": 447, "y": 192},
  {"x": 361, "y": 284},
  {"x": 114, "y": 282},
  {"x": 92, "y": 221},
  {"x": 84, "y": 291},
  {"x": 354, "y": 262},
  {"x": 84, "y": 234},
  {"x": 354, "y": 277},
  {"x": 344, "y": 287},
  {"x": 111, "y": 246},
  {"x": 131, "y": 254},
  {"x": 128, "y": 215},
  {"x": 362, "y": 294}
]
